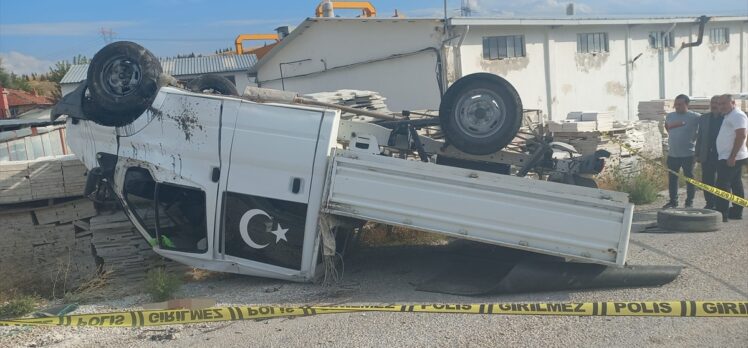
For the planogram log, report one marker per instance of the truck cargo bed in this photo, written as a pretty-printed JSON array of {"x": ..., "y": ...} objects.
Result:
[{"x": 585, "y": 224}]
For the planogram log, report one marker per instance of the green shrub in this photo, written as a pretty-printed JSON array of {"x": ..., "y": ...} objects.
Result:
[
  {"x": 17, "y": 307},
  {"x": 642, "y": 184},
  {"x": 161, "y": 285}
]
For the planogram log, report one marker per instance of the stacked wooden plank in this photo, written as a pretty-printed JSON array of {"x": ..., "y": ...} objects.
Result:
[
  {"x": 366, "y": 100},
  {"x": 22, "y": 181}
]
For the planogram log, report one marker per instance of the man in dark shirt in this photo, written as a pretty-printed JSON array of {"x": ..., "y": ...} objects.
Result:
[{"x": 706, "y": 148}]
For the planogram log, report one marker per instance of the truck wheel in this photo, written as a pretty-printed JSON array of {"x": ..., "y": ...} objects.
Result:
[
  {"x": 480, "y": 113},
  {"x": 689, "y": 220},
  {"x": 122, "y": 82},
  {"x": 213, "y": 84}
]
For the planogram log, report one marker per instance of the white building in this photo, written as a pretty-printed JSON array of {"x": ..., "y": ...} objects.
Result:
[
  {"x": 233, "y": 67},
  {"x": 557, "y": 65}
]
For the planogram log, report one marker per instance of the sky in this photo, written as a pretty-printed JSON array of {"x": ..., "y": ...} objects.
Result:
[{"x": 34, "y": 34}]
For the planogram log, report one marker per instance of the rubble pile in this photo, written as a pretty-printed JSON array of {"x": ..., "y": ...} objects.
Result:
[{"x": 642, "y": 136}]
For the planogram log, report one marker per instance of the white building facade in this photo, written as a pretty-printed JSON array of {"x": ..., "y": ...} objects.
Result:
[{"x": 557, "y": 65}]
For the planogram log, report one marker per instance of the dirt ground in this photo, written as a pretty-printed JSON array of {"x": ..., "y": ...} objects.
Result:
[{"x": 714, "y": 269}]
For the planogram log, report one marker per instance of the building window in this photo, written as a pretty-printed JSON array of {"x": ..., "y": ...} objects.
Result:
[
  {"x": 592, "y": 43},
  {"x": 500, "y": 47},
  {"x": 659, "y": 39},
  {"x": 719, "y": 35}
]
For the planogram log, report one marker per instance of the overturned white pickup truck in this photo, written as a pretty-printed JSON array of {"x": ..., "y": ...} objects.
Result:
[{"x": 223, "y": 183}]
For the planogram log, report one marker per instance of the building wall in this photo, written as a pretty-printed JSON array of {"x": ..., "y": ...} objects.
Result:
[
  {"x": 583, "y": 81},
  {"x": 716, "y": 68},
  {"x": 526, "y": 74},
  {"x": 332, "y": 55},
  {"x": 586, "y": 81}
]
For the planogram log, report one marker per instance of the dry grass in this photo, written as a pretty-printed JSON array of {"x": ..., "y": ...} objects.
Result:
[
  {"x": 18, "y": 306},
  {"x": 374, "y": 234}
]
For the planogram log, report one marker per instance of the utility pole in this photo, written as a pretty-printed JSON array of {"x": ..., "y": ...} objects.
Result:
[
  {"x": 465, "y": 10},
  {"x": 107, "y": 34}
]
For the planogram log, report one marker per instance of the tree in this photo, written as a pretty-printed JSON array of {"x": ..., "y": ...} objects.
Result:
[
  {"x": 57, "y": 72},
  {"x": 80, "y": 59},
  {"x": 13, "y": 81}
]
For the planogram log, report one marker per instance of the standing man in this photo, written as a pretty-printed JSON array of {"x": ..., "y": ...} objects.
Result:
[
  {"x": 706, "y": 148},
  {"x": 732, "y": 155},
  {"x": 681, "y": 126}
]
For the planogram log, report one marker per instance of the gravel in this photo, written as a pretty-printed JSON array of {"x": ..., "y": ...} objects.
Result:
[{"x": 714, "y": 269}]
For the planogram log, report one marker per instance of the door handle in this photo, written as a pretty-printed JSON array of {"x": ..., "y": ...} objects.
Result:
[
  {"x": 215, "y": 174},
  {"x": 296, "y": 185}
]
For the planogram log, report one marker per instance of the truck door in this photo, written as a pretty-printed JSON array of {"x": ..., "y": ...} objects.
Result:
[
  {"x": 168, "y": 167},
  {"x": 266, "y": 197}
]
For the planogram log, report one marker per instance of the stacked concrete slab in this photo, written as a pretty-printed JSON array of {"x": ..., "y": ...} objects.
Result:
[
  {"x": 47, "y": 245},
  {"x": 23, "y": 181},
  {"x": 584, "y": 121},
  {"x": 50, "y": 234}
]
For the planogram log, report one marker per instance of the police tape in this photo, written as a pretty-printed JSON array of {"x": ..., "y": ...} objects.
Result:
[
  {"x": 142, "y": 318},
  {"x": 702, "y": 186}
]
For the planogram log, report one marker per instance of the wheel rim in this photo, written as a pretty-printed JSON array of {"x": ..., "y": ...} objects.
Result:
[
  {"x": 480, "y": 113},
  {"x": 121, "y": 76}
]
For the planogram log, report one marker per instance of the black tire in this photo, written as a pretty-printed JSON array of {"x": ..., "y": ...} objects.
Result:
[
  {"x": 689, "y": 220},
  {"x": 214, "y": 84},
  {"x": 483, "y": 131},
  {"x": 122, "y": 83}
]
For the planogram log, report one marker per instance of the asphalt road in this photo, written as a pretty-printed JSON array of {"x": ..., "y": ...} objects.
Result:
[{"x": 714, "y": 269}]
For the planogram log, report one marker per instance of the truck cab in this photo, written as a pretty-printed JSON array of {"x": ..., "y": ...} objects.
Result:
[{"x": 218, "y": 182}]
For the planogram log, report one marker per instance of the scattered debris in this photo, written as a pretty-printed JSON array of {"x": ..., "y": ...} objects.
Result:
[{"x": 367, "y": 100}]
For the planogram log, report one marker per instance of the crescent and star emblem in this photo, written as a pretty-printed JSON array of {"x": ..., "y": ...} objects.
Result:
[{"x": 280, "y": 232}]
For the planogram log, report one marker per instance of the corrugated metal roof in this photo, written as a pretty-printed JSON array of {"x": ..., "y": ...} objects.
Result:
[
  {"x": 183, "y": 66},
  {"x": 77, "y": 73}
]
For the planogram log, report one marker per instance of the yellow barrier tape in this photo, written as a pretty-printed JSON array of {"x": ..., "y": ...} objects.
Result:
[
  {"x": 735, "y": 309},
  {"x": 711, "y": 189}
]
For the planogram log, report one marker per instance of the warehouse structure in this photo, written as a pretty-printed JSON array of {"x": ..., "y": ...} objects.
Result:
[
  {"x": 233, "y": 67},
  {"x": 557, "y": 65}
]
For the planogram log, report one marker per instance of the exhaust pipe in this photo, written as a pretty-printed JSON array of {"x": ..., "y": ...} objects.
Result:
[{"x": 702, "y": 23}]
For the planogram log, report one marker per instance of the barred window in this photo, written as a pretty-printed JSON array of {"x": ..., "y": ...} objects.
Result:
[
  {"x": 719, "y": 35},
  {"x": 500, "y": 47},
  {"x": 659, "y": 39},
  {"x": 592, "y": 43}
]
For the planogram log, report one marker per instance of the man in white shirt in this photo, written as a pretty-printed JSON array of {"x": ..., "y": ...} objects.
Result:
[{"x": 732, "y": 154}]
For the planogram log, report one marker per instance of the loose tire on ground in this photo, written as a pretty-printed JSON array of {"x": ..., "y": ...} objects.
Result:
[
  {"x": 214, "y": 84},
  {"x": 689, "y": 220},
  {"x": 480, "y": 113},
  {"x": 122, "y": 83}
]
